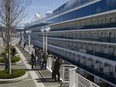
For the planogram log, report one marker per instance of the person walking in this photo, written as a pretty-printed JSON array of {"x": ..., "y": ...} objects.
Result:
[
  {"x": 24, "y": 45},
  {"x": 6, "y": 61},
  {"x": 56, "y": 68},
  {"x": 45, "y": 57},
  {"x": 13, "y": 51},
  {"x": 41, "y": 60},
  {"x": 33, "y": 61},
  {"x": 36, "y": 49},
  {"x": 36, "y": 56},
  {"x": 53, "y": 62}
]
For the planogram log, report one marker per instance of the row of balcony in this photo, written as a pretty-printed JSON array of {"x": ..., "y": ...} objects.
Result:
[{"x": 105, "y": 52}]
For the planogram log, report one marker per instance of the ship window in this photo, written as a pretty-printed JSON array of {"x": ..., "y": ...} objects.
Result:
[
  {"x": 112, "y": 35},
  {"x": 98, "y": 48},
  {"x": 69, "y": 34},
  {"x": 115, "y": 68},
  {"x": 111, "y": 49},
  {"x": 79, "y": 45},
  {"x": 102, "y": 48},
  {"x": 95, "y": 21},
  {"x": 113, "y": 19},
  {"x": 115, "y": 34},
  {"x": 111, "y": 3}
]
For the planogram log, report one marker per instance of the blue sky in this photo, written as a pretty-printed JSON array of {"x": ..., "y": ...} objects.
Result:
[{"x": 42, "y": 6}]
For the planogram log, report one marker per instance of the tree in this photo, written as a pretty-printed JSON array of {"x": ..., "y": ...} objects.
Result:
[{"x": 12, "y": 13}]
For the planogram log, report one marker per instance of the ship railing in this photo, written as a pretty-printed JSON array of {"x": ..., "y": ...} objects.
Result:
[
  {"x": 76, "y": 80},
  {"x": 68, "y": 75}
]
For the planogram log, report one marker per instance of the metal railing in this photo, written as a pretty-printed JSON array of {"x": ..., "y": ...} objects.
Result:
[
  {"x": 62, "y": 52},
  {"x": 76, "y": 80},
  {"x": 68, "y": 74}
]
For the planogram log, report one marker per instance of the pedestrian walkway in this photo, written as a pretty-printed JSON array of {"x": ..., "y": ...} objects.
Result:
[
  {"x": 36, "y": 78},
  {"x": 42, "y": 78},
  {"x": 24, "y": 83}
]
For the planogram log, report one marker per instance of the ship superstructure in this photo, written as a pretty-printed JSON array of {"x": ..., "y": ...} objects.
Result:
[{"x": 83, "y": 32}]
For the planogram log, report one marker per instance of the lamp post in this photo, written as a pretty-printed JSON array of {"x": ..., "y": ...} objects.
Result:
[
  {"x": 42, "y": 30},
  {"x": 45, "y": 31},
  {"x": 28, "y": 32}
]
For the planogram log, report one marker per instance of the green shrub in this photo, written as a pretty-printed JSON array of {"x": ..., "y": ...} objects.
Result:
[
  {"x": 13, "y": 59},
  {"x": 15, "y": 73},
  {"x": 3, "y": 53},
  {"x": 18, "y": 73},
  {"x": 1, "y": 59}
]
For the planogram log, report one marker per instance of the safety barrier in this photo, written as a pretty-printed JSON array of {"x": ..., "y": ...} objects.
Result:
[{"x": 76, "y": 80}]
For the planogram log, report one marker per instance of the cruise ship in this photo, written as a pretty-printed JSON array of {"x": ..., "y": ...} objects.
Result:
[{"x": 83, "y": 32}]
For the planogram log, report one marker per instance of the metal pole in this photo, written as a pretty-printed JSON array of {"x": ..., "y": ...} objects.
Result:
[
  {"x": 29, "y": 41},
  {"x": 46, "y": 43},
  {"x": 43, "y": 42}
]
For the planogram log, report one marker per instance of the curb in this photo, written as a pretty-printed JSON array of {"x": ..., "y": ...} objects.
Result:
[{"x": 14, "y": 79}]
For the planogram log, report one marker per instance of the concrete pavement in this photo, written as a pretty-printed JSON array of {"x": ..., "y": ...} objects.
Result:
[
  {"x": 24, "y": 83},
  {"x": 32, "y": 73},
  {"x": 36, "y": 78},
  {"x": 42, "y": 78}
]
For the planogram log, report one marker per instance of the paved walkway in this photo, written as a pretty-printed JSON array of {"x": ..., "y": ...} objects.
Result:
[
  {"x": 25, "y": 83},
  {"x": 42, "y": 78},
  {"x": 36, "y": 78}
]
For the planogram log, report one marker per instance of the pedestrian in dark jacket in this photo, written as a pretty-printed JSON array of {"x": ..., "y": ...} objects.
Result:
[
  {"x": 13, "y": 51},
  {"x": 24, "y": 45},
  {"x": 33, "y": 61},
  {"x": 56, "y": 69},
  {"x": 36, "y": 49},
  {"x": 6, "y": 61},
  {"x": 36, "y": 55},
  {"x": 53, "y": 62}
]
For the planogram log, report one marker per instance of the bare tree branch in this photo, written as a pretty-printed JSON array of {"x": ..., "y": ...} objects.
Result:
[
  {"x": 12, "y": 13},
  {"x": 17, "y": 11}
]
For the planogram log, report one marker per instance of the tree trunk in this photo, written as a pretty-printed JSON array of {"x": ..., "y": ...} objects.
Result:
[{"x": 8, "y": 28}]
